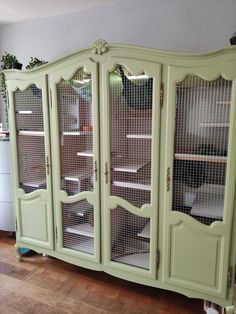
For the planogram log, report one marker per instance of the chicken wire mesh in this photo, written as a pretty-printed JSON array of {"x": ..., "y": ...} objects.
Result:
[
  {"x": 200, "y": 147},
  {"x": 76, "y": 159},
  {"x": 130, "y": 238},
  {"x": 78, "y": 226},
  {"x": 30, "y": 138},
  {"x": 131, "y": 129}
]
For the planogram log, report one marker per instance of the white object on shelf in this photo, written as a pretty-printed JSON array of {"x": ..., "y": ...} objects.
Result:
[
  {"x": 140, "y": 260},
  {"x": 196, "y": 157},
  {"x": 24, "y": 112},
  {"x": 128, "y": 166},
  {"x": 142, "y": 136},
  {"x": 133, "y": 185},
  {"x": 82, "y": 229},
  {"x": 209, "y": 201},
  {"x": 145, "y": 233},
  {"x": 80, "y": 209},
  {"x": 31, "y": 133},
  {"x": 86, "y": 153}
]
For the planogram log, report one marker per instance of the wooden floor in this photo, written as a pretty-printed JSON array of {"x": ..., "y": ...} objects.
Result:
[{"x": 45, "y": 285}]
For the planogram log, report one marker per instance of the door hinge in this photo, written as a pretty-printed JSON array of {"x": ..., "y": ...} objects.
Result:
[
  {"x": 158, "y": 258},
  {"x": 16, "y": 225},
  {"x": 56, "y": 234},
  {"x": 229, "y": 276},
  {"x": 161, "y": 94},
  {"x": 50, "y": 92}
]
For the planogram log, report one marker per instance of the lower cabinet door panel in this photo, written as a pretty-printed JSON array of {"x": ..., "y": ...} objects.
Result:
[
  {"x": 195, "y": 260},
  {"x": 35, "y": 224}
]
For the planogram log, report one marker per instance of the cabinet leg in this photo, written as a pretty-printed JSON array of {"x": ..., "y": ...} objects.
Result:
[
  {"x": 18, "y": 253},
  {"x": 229, "y": 309}
]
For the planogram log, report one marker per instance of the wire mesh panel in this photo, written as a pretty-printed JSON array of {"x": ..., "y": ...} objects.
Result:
[
  {"x": 30, "y": 138},
  {"x": 76, "y": 133},
  {"x": 78, "y": 226},
  {"x": 76, "y": 158},
  {"x": 130, "y": 238},
  {"x": 131, "y": 129},
  {"x": 201, "y": 145}
]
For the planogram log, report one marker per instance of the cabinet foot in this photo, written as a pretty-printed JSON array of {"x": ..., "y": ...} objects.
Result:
[
  {"x": 229, "y": 310},
  {"x": 18, "y": 253}
]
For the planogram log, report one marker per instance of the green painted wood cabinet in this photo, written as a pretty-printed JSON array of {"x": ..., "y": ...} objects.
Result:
[{"x": 124, "y": 161}]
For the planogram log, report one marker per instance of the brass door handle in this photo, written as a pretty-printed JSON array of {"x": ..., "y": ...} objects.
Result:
[
  {"x": 168, "y": 179},
  {"x": 95, "y": 170},
  {"x": 47, "y": 165}
]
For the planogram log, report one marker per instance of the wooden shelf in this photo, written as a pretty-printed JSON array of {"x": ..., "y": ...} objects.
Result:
[
  {"x": 132, "y": 185},
  {"x": 31, "y": 133},
  {"x": 214, "y": 125},
  {"x": 145, "y": 233},
  {"x": 140, "y": 260},
  {"x": 140, "y": 136},
  {"x": 122, "y": 165},
  {"x": 81, "y": 229},
  {"x": 207, "y": 158},
  {"x": 76, "y": 176},
  {"x": 35, "y": 184},
  {"x": 86, "y": 153},
  {"x": 73, "y": 133},
  {"x": 84, "y": 244},
  {"x": 79, "y": 209}
]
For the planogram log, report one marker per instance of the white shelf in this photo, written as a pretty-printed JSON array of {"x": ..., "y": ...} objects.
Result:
[
  {"x": 214, "y": 125},
  {"x": 31, "y": 133},
  {"x": 128, "y": 166},
  {"x": 24, "y": 112},
  {"x": 82, "y": 229},
  {"x": 208, "y": 158},
  {"x": 133, "y": 185},
  {"x": 76, "y": 176},
  {"x": 35, "y": 183},
  {"x": 141, "y": 136},
  {"x": 79, "y": 209},
  {"x": 209, "y": 201},
  {"x": 77, "y": 133},
  {"x": 145, "y": 233},
  {"x": 140, "y": 260},
  {"x": 86, "y": 153},
  {"x": 84, "y": 244}
]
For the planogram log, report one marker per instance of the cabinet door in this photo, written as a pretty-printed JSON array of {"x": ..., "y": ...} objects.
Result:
[
  {"x": 130, "y": 136},
  {"x": 76, "y": 159},
  {"x": 31, "y": 161},
  {"x": 200, "y": 178}
]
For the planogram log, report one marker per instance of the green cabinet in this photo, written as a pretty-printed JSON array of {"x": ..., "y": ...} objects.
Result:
[{"x": 124, "y": 162}]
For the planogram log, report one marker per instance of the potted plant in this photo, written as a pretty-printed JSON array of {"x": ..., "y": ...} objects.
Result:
[
  {"x": 33, "y": 63},
  {"x": 8, "y": 61}
]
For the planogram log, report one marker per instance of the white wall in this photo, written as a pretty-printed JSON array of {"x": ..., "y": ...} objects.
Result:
[{"x": 183, "y": 25}]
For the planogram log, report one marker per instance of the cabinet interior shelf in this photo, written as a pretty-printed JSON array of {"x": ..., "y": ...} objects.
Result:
[
  {"x": 79, "y": 209},
  {"x": 207, "y": 158},
  {"x": 76, "y": 176},
  {"x": 141, "y": 136},
  {"x": 132, "y": 185},
  {"x": 139, "y": 260},
  {"x": 214, "y": 125},
  {"x": 86, "y": 153},
  {"x": 73, "y": 133},
  {"x": 35, "y": 184},
  {"x": 81, "y": 229},
  {"x": 29, "y": 112},
  {"x": 128, "y": 166},
  {"x": 31, "y": 133},
  {"x": 84, "y": 244},
  {"x": 145, "y": 233},
  {"x": 226, "y": 102}
]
